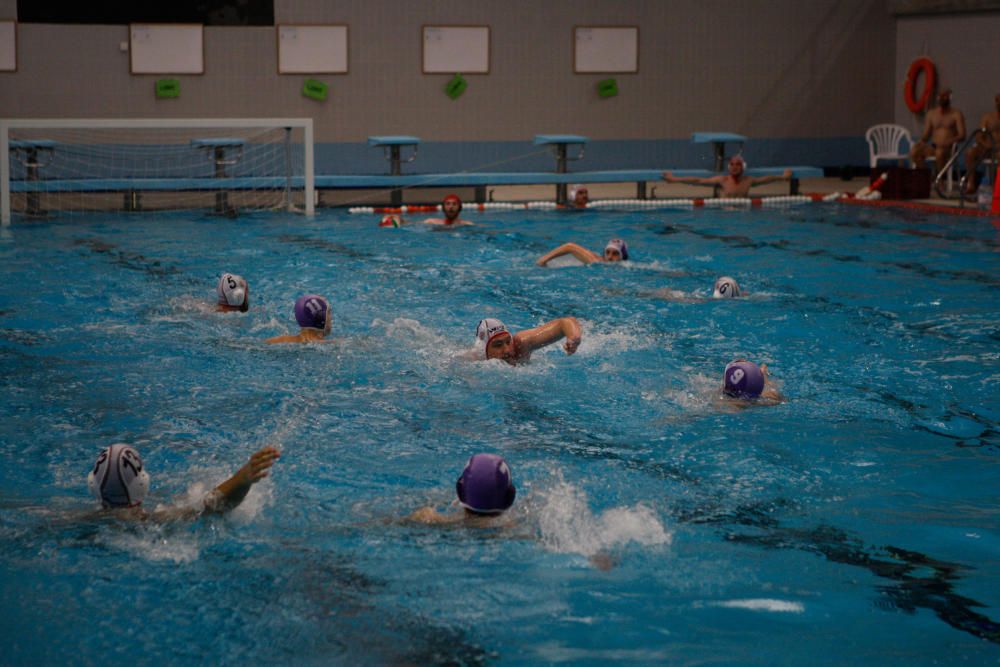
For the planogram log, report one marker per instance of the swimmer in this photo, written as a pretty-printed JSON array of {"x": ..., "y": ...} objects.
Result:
[
  {"x": 120, "y": 482},
  {"x": 392, "y": 220},
  {"x": 726, "y": 288},
  {"x": 494, "y": 341},
  {"x": 615, "y": 251},
  {"x": 734, "y": 184},
  {"x": 746, "y": 381},
  {"x": 485, "y": 490},
  {"x": 233, "y": 293},
  {"x": 312, "y": 312},
  {"x": 452, "y": 207},
  {"x": 579, "y": 196}
]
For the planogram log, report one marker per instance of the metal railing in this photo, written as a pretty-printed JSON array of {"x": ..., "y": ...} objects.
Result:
[{"x": 964, "y": 181}]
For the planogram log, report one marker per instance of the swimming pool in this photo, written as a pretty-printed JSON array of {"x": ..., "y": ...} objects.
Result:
[{"x": 856, "y": 523}]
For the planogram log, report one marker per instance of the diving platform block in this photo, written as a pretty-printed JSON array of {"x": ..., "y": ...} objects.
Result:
[
  {"x": 559, "y": 142},
  {"x": 393, "y": 146}
]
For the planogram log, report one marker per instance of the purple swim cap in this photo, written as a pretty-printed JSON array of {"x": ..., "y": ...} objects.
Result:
[
  {"x": 311, "y": 311},
  {"x": 485, "y": 486},
  {"x": 743, "y": 379}
]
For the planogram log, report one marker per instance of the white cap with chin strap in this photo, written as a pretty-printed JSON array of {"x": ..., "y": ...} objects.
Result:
[{"x": 487, "y": 330}]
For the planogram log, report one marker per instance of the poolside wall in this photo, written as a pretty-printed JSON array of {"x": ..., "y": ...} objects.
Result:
[
  {"x": 803, "y": 80},
  {"x": 965, "y": 49}
]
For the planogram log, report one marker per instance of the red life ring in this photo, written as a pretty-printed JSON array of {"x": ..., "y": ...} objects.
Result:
[{"x": 916, "y": 67}]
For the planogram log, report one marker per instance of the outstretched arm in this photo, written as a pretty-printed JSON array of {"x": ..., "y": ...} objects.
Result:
[
  {"x": 761, "y": 180},
  {"x": 581, "y": 253},
  {"x": 564, "y": 327},
  {"x": 230, "y": 494},
  {"x": 692, "y": 180}
]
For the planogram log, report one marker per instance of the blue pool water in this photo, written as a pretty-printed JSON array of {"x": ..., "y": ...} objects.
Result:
[{"x": 855, "y": 523}]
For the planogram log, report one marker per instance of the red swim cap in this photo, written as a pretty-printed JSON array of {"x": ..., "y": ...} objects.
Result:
[{"x": 455, "y": 199}]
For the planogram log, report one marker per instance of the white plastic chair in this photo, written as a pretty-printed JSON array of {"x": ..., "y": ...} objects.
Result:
[{"x": 883, "y": 143}]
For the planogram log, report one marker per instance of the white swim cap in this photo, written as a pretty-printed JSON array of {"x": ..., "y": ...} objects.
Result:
[
  {"x": 619, "y": 245},
  {"x": 726, "y": 288},
  {"x": 487, "y": 330},
  {"x": 232, "y": 290},
  {"x": 118, "y": 479}
]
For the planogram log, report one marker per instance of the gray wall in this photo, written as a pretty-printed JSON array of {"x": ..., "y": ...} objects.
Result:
[
  {"x": 799, "y": 78},
  {"x": 965, "y": 49}
]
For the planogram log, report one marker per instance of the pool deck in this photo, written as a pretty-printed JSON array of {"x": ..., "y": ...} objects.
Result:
[{"x": 664, "y": 190}]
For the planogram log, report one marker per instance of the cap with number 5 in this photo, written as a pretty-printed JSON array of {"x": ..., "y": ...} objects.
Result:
[{"x": 233, "y": 291}]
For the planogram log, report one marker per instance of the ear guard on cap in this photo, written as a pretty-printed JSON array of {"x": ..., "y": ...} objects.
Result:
[{"x": 118, "y": 478}]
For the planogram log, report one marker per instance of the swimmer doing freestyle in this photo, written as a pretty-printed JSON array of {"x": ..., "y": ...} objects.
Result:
[
  {"x": 494, "y": 341},
  {"x": 615, "y": 251},
  {"x": 120, "y": 482}
]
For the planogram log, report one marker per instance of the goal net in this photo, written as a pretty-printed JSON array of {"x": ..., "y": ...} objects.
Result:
[{"x": 222, "y": 166}]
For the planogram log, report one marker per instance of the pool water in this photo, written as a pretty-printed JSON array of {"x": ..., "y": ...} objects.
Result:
[{"x": 655, "y": 523}]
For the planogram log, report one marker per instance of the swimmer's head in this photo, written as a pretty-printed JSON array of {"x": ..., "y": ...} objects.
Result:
[
  {"x": 118, "y": 478},
  {"x": 944, "y": 98},
  {"x": 726, "y": 288},
  {"x": 743, "y": 379},
  {"x": 580, "y": 195},
  {"x": 233, "y": 292},
  {"x": 390, "y": 221},
  {"x": 616, "y": 250},
  {"x": 451, "y": 206},
  {"x": 737, "y": 164},
  {"x": 313, "y": 312},
  {"x": 494, "y": 340},
  {"x": 485, "y": 486}
]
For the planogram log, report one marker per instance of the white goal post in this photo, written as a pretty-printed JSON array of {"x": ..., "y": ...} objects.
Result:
[{"x": 144, "y": 164}]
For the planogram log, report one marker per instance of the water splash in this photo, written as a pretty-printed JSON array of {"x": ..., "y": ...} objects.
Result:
[
  {"x": 764, "y": 604},
  {"x": 567, "y": 524}
]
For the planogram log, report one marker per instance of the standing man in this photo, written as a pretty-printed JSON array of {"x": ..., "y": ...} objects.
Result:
[{"x": 944, "y": 126}]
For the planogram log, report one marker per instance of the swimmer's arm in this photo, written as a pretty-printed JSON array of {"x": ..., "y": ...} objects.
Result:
[
  {"x": 692, "y": 180},
  {"x": 564, "y": 327},
  {"x": 230, "y": 494},
  {"x": 430, "y": 517},
  {"x": 283, "y": 339},
  {"x": 578, "y": 251},
  {"x": 960, "y": 127},
  {"x": 761, "y": 180}
]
